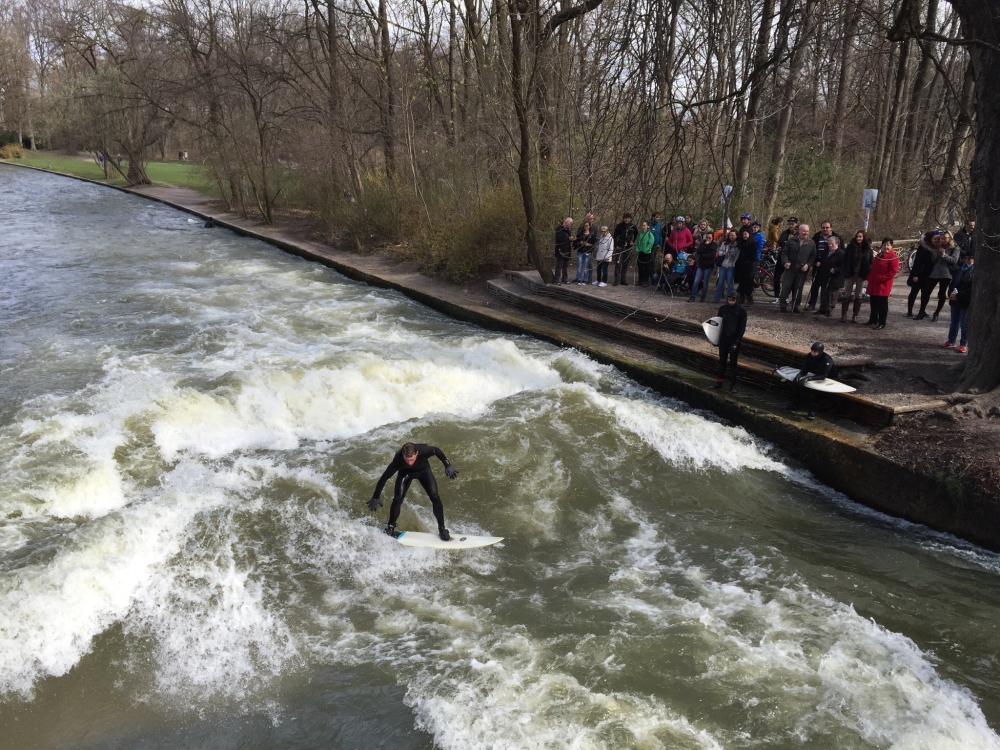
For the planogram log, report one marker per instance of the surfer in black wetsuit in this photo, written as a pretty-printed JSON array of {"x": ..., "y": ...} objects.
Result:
[
  {"x": 817, "y": 366},
  {"x": 731, "y": 330},
  {"x": 409, "y": 463}
]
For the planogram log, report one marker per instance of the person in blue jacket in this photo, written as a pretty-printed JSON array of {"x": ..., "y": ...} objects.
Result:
[{"x": 758, "y": 238}]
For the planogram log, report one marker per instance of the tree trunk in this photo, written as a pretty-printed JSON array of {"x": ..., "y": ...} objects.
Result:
[
  {"x": 542, "y": 264},
  {"x": 897, "y": 105},
  {"x": 785, "y": 118},
  {"x": 875, "y": 167},
  {"x": 943, "y": 189},
  {"x": 918, "y": 97},
  {"x": 387, "y": 103},
  {"x": 982, "y": 367},
  {"x": 853, "y": 19},
  {"x": 748, "y": 139}
]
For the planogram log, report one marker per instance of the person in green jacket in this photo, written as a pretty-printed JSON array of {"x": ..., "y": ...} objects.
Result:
[{"x": 644, "y": 253}]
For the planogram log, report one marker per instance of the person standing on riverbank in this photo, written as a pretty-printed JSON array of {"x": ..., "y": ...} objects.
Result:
[
  {"x": 946, "y": 259},
  {"x": 857, "y": 264},
  {"x": 746, "y": 262},
  {"x": 880, "y": 278},
  {"x": 656, "y": 227},
  {"x": 960, "y": 296},
  {"x": 644, "y": 254},
  {"x": 564, "y": 250},
  {"x": 679, "y": 238},
  {"x": 789, "y": 233},
  {"x": 624, "y": 237},
  {"x": 605, "y": 246},
  {"x": 726, "y": 257},
  {"x": 797, "y": 258},
  {"x": 412, "y": 462},
  {"x": 586, "y": 239},
  {"x": 731, "y": 330},
  {"x": 705, "y": 262},
  {"x": 822, "y": 241},
  {"x": 829, "y": 274}
]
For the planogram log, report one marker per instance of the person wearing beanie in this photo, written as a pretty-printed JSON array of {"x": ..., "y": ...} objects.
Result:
[{"x": 731, "y": 330}]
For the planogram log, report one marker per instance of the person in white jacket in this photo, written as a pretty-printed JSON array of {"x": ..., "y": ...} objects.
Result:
[{"x": 605, "y": 246}]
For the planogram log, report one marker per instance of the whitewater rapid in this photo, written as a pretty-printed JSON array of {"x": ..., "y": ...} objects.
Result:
[{"x": 193, "y": 421}]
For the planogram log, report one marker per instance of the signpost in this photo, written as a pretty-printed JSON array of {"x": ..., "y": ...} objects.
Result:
[
  {"x": 869, "y": 200},
  {"x": 727, "y": 190}
]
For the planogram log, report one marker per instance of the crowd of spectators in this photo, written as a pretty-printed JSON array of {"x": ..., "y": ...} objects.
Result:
[{"x": 685, "y": 256}]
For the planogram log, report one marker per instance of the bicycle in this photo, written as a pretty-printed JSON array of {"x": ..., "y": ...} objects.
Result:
[{"x": 763, "y": 277}]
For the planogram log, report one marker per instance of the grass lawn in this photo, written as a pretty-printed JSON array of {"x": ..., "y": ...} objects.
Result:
[{"x": 176, "y": 173}]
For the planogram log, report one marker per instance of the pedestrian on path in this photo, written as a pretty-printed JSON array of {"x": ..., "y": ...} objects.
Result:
[
  {"x": 880, "y": 278},
  {"x": 624, "y": 236},
  {"x": 564, "y": 250},
  {"x": 725, "y": 259},
  {"x": 857, "y": 264},
  {"x": 798, "y": 256},
  {"x": 960, "y": 296},
  {"x": 605, "y": 247}
]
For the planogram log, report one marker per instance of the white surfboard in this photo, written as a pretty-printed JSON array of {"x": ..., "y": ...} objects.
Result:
[
  {"x": 829, "y": 385},
  {"x": 713, "y": 329},
  {"x": 458, "y": 541}
]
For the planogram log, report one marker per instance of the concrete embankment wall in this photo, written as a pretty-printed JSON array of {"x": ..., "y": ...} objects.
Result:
[{"x": 837, "y": 458}]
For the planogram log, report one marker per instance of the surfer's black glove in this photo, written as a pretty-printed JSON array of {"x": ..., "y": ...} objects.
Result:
[
  {"x": 451, "y": 471},
  {"x": 374, "y": 504}
]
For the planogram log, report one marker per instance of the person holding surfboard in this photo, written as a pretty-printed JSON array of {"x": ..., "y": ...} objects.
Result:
[
  {"x": 731, "y": 329},
  {"x": 817, "y": 366},
  {"x": 412, "y": 462}
]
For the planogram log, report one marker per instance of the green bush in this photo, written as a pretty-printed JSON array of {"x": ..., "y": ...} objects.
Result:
[
  {"x": 476, "y": 243},
  {"x": 386, "y": 212}
]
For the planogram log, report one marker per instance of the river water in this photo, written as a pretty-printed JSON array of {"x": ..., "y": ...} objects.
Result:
[{"x": 190, "y": 423}]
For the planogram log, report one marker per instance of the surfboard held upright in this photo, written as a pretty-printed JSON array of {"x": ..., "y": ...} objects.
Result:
[{"x": 713, "y": 329}]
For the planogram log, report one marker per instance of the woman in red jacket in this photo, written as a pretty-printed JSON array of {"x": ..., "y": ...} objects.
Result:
[{"x": 880, "y": 278}]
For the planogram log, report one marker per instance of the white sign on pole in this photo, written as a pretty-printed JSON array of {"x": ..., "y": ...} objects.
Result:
[
  {"x": 726, "y": 192},
  {"x": 869, "y": 199}
]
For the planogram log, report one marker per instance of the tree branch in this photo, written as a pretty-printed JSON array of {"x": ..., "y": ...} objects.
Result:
[{"x": 567, "y": 15}]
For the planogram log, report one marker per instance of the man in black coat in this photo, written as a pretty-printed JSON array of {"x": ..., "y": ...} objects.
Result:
[
  {"x": 817, "y": 366},
  {"x": 731, "y": 330},
  {"x": 820, "y": 239},
  {"x": 966, "y": 240},
  {"x": 564, "y": 250},
  {"x": 624, "y": 237},
  {"x": 828, "y": 274}
]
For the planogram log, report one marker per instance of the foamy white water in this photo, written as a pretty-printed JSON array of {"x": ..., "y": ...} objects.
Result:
[{"x": 191, "y": 423}]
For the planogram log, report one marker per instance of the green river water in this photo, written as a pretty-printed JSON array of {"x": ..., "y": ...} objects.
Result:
[{"x": 191, "y": 422}]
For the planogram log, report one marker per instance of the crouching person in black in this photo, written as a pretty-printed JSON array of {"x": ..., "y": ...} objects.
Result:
[
  {"x": 409, "y": 463},
  {"x": 734, "y": 325},
  {"x": 817, "y": 366}
]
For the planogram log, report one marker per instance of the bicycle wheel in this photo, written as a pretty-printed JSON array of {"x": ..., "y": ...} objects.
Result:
[{"x": 765, "y": 279}]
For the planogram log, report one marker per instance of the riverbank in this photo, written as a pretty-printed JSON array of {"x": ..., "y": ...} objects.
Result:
[{"x": 872, "y": 467}]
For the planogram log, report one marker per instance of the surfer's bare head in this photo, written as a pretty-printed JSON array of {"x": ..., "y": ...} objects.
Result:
[{"x": 409, "y": 452}]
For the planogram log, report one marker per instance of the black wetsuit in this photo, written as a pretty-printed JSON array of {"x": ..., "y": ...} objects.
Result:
[
  {"x": 734, "y": 325},
  {"x": 814, "y": 368},
  {"x": 421, "y": 471}
]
